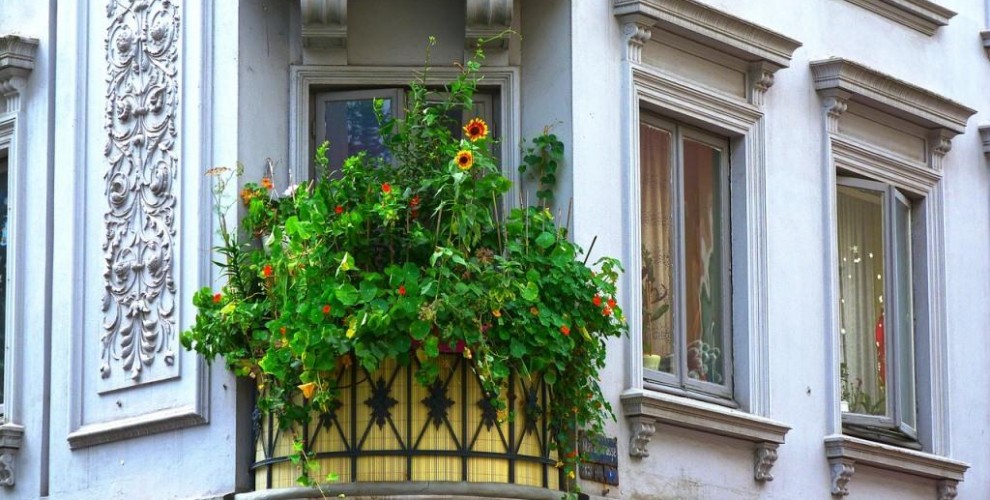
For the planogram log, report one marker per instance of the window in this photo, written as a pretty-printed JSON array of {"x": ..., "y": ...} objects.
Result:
[
  {"x": 685, "y": 257},
  {"x": 3, "y": 274},
  {"x": 877, "y": 369},
  {"x": 348, "y": 121}
]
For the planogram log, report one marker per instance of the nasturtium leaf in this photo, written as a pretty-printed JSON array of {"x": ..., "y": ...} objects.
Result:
[
  {"x": 347, "y": 294},
  {"x": 530, "y": 292}
]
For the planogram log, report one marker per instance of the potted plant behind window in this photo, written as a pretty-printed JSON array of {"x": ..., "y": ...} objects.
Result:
[{"x": 400, "y": 262}]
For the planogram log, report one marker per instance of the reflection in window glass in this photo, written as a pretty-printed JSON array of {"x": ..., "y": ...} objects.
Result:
[
  {"x": 703, "y": 262},
  {"x": 657, "y": 235},
  {"x": 4, "y": 238},
  {"x": 352, "y": 127},
  {"x": 861, "y": 286}
]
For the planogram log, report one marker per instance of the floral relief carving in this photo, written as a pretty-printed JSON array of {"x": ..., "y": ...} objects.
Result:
[{"x": 140, "y": 121}]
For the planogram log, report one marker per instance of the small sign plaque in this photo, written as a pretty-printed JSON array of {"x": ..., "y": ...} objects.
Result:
[{"x": 599, "y": 458}]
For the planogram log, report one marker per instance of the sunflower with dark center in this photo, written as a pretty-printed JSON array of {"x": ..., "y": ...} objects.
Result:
[
  {"x": 464, "y": 159},
  {"x": 476, "y": 129}
]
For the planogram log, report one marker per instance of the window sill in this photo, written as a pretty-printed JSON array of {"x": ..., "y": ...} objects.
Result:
[
  {"x": 11, "y": 436},
  {"x": 844, "y": 452},
  {"x": 644, "y": 409}
]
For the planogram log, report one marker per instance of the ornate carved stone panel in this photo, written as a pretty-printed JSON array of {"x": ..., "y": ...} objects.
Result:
[{"x": 139, "y": 321}]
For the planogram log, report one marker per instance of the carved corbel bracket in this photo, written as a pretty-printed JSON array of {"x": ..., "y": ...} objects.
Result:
[
  {"x": 324, "y": 23},
  {"x": 760, "y": 80},
  {"x": 946, "y": 489},
  {"x": 985, "y": 35},
  {"x": 842, "y": 470},
  {"x": 985, "y": 138},
  {"x": 11, "y": 436},
  {"x": 642, "y": 428},
  {"x": 636, "y": 35},
  {"x": 939, "y": 144},
  {"x": 485, "y": 19},
  {"x": 765, "y": 455},
  {"x": 835, "y": 103},
  {"x": 17, "y": 56}
]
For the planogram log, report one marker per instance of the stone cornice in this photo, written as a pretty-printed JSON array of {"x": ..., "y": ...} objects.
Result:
[
  {"x": 697, "y": 21},
  {"x": 16, "y": 55},
  {"x": 921, "y": 15},
  {"x": 324, "y": 23},
  {"x": 845, "y": 452},
  {"x": 869, "y": 86},
  {"x": 484, "y": 19}
]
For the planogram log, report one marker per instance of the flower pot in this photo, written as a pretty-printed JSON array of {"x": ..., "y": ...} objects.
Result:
[
  {"x": 652, "y": 361},
  {"x": 386, "y": 427}
]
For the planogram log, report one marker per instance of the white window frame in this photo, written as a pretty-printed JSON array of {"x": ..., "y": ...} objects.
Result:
[
  {"x": 679, "y": 382},
  {"x": 755, "y": 53},
  {"x": 914, "y": 112}
]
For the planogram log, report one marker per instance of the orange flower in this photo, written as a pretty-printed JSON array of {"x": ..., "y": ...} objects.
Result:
[
  {"x": 387, "y": 188},
  {"x": 611, "y": 303},
  {"x": 267, "y": 270},
  {"x": 326, "y": 309},
  {"x": 217, "y": 298},
  {"x": 597, "y": 301},
  {"x": 464, "y": 159},
  {"x": 402, "y": 290},
  {"x": 266, "y": 183},
  {"x": 338, "y": 210},
  {"x": 534, "y": 311},
  {"x": 282, "y": 331},
  {"x": 497, "y": 313},
  {"x": 607, "y": 311},
  {"x": 246, "y": 195},
  {"x": 565, "y": 330},
  {"x": 476, "y": 129},
  {"x": 307, "y": 389}
]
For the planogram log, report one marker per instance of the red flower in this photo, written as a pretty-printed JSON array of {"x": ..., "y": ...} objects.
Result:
[
  {"x": 402, "y": 290},
  {"x": 338, "y": 210},
  {"x": 326, "y": 309},
  {"x": 565, "y": 330},
  {"x": 217, "y": 298},
  {"x": 611, "y": 303},
  {"x": 282, "y": 331},
  {"x": 597, "y": 301},
  {"x": 387, "y": 188},
  {"x": 607, "y": 311},
  {"x": 267, "y": 271}
]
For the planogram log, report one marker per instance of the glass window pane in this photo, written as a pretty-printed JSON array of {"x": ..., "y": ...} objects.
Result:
[
  {"x": 703, "y": 262},
  {"x": 861, "y": 286},
  {"x": 905, "y": 316},
  {"x": 352, "y": 127},
  {"x": 656, "y": 220}
]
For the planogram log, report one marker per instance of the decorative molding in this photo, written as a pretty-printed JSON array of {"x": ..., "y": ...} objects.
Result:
[
  {"x": 143, "y": 425},
  {"x": 946, "y": 489},
  {"x": 760, "y": 80},
  {"x": 141, "y": 114},
  {"x": 642, "y": 431},
  {"x": 849, "y": 451},
  {"x": 874, "y": 162},
  {"x": 636, "y": 36},
  {"x": 324, "y": 23},
  {"x": 645, "y": 409},
  {"x": 841, "y": 471},
  {"x": 765, "y": 455},
  {"x": 17, "y": 56},
  {"x": 886, "y": 93},
  {"x": 835, "y": 104},
  {"x": 985, "y": 36},
  {"x": 920, "y": 15},
  {"x": 485, "y": 19},
  {"x": 939, "y": 144},
  {"x": 722, "y": 31},
  {"x": 985, "y": 138},
  {"x": 683, "y": 98},
  {"x": 11, "y": 438}
]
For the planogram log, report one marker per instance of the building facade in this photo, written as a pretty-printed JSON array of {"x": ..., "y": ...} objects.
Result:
[{"x": 799, "y": 192}]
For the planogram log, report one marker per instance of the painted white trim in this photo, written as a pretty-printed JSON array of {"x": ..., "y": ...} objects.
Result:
[
  {"x": 11, "y": 138},
  {"x": 304, "y": 80},
  {"x": 920, "y": 15}
]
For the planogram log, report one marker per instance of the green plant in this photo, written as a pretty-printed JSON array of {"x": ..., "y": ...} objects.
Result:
[
  {"x": 541, "y": 160},
  {"x": 404, "y": 258}
]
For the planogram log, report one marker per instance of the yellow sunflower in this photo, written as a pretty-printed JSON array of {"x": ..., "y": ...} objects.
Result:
[
  {"x": 464, "y": 159},
  {"x": 476, "y": 129}
]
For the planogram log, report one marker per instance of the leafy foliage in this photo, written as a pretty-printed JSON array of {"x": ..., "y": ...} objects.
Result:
[{"x": 409, "y": 257}]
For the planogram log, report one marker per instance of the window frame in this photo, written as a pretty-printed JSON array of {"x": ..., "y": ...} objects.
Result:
[
  {"x": 896, "y": 409},
  {"x": 319, "y": 105},
  {"x": 679, "y": 381},
  {"x": 10, "y": 136}
]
